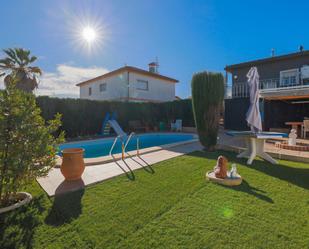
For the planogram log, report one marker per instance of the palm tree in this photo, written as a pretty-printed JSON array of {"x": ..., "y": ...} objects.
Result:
[{"x": 16, "y": 65}]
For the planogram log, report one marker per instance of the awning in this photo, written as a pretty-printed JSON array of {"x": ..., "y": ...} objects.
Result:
[{"x": 285, "y": 93}]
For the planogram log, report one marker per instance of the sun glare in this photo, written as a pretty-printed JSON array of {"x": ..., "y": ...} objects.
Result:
[{"x": 89, "y": 34}]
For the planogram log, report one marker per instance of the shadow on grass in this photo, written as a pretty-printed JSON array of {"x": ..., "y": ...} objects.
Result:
[
  {"x": 246, "y": 188},
  {"x": 66, "y": 206},
  {"x": 147, "y": 168},
  {"x": 130, "y": 174},
  {"x": 17, "y": 226},
  {"x": 295, "y": 176}
]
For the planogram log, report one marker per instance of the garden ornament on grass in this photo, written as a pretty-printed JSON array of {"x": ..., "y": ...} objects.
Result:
[
  {"x": 292, "y": 137},
  {"x": 233, "y": 172},
  {"x": 220, "y": 169},
  {"x": 221, "y": 176}
]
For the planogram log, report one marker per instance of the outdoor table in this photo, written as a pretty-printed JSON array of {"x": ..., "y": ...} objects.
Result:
[
  {"x": 295, "y": 125},
  {"x": 255, "y": 144}
]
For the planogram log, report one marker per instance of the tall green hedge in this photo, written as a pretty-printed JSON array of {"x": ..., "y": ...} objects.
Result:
[
  {"x": 207, "y": 99},
  {"x": 84, "y": 117}
]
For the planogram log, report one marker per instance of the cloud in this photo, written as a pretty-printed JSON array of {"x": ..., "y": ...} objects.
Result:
[{"x": 62, "y": 82}]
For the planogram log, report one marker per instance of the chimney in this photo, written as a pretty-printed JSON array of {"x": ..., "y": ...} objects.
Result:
[
  {"x": 153, "y": 67},
  {"x": 272, "y": 52}
]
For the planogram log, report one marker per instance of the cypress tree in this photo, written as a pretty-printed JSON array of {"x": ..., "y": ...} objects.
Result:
[{"x": 207, "y": 100}]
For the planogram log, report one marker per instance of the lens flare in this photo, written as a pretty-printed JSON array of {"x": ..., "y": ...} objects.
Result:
[
  {"x": 89, "y": 34},
  {"x": 86, "y": 25},
  {"x": 227, "y": 212}
]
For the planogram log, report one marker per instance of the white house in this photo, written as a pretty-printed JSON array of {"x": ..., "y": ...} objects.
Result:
[{"x": 130, "y": 84}]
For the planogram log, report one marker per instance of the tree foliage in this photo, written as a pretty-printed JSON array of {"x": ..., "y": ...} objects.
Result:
[
  {"x": 207, "y": 100},
  {"x": 81, "y": 117},
  {"x": 27, "y": 144},
  {"x": 18, "y": 63}
]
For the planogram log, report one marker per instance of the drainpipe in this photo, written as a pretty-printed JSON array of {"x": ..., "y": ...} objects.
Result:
[
  {"x": 225, "y": 84},
  {"x": 128, "y": 84}
]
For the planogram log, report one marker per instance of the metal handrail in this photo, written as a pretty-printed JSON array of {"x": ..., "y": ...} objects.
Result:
[
  {"x": 124, "y": 146},
  {"x": 137, "y": 146},
  {"x": 137, "y": 143},
  {"x": 128, "y": 140},
  {"x": 114, "y": 143}
]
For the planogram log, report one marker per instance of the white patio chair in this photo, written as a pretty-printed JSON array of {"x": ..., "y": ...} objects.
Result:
[
  {"x": 178, "y": 125},
  {"x": 305, "y": 128}
]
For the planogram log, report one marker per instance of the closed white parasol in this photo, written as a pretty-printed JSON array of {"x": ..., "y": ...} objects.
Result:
[{"x": 253, "y": 115}]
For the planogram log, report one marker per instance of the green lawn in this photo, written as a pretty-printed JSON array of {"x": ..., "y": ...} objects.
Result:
[{"x": 172, "y": 207}]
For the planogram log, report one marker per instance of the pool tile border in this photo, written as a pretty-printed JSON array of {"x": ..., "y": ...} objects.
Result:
[{"x": 107, "y": 159}]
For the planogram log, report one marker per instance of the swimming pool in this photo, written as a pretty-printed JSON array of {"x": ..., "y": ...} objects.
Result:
[{"x": 101, "y": 147}]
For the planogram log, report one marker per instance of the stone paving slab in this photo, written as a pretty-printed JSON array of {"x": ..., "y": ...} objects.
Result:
[{"x": 54, "y": 183}]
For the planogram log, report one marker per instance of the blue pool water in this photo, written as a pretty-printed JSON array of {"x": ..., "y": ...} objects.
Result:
[{"x": 101, "y": 147}]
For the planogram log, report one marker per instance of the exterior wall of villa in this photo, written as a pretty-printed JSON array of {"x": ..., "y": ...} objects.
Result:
[
  {"x": 142, "y": 88},
  {"x": 270, "y": 70},
  {"x": 116, "y": 88},
  {"x": 158, "y": 90},
  {"x": 235, "y": 114},
  {"x": 274, "y": 112}
]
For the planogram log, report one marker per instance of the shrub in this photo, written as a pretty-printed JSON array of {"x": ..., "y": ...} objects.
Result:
[
  {"x": 207, "y": 100},
  {"x": 27, "y": 146},
  {"x": 81, "y": 117}
]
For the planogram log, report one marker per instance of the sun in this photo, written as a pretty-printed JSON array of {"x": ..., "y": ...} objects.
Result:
[{"x": 89, "y": 34}]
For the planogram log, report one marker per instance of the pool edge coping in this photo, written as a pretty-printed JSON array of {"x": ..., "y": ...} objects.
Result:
[{"x": 118, "y": 156}]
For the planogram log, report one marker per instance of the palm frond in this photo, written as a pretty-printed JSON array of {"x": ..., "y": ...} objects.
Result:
[
  {"x": 35, "y": 70},
  {"x": 32, "y": 59},
  {"x": 17, "y": 64},
  {"x": 23, "y": 56},
  {"x": 13, "y": 55},
  {"x": 7, "y": 63}
]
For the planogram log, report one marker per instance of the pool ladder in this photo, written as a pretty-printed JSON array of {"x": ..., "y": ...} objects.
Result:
[{"x": 124, "y": 145}]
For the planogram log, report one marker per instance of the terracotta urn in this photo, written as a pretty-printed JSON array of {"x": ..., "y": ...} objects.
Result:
[{"x": 73, "y": 165}]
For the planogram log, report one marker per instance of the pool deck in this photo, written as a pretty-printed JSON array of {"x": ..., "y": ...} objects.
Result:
[{"x": 54, "y": 183}]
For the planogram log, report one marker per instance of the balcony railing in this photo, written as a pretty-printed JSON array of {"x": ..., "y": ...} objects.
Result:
[{"x": 241, "y": 89}]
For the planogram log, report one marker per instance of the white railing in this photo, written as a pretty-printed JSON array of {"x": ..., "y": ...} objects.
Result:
[{"x": 241, "y": 89}]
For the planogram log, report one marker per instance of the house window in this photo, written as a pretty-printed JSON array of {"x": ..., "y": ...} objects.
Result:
[
  {"x": 89, "y": 91},
  {"x": 142, "y": 85},
  {"x": 289, "y": 77},
  {"x": 103, "y": 87}
]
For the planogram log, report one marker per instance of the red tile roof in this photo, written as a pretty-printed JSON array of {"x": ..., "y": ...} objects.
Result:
[{"x": 129, "y": 69}]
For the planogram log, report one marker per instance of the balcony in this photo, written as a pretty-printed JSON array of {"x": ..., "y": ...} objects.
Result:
[{"x": 274, "y": 89}]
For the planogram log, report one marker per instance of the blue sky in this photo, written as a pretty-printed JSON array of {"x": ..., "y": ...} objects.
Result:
[{"x": 186, "y": 36}]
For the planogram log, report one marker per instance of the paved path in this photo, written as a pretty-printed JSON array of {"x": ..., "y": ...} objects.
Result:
[{"x": 54, "y": 183}]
